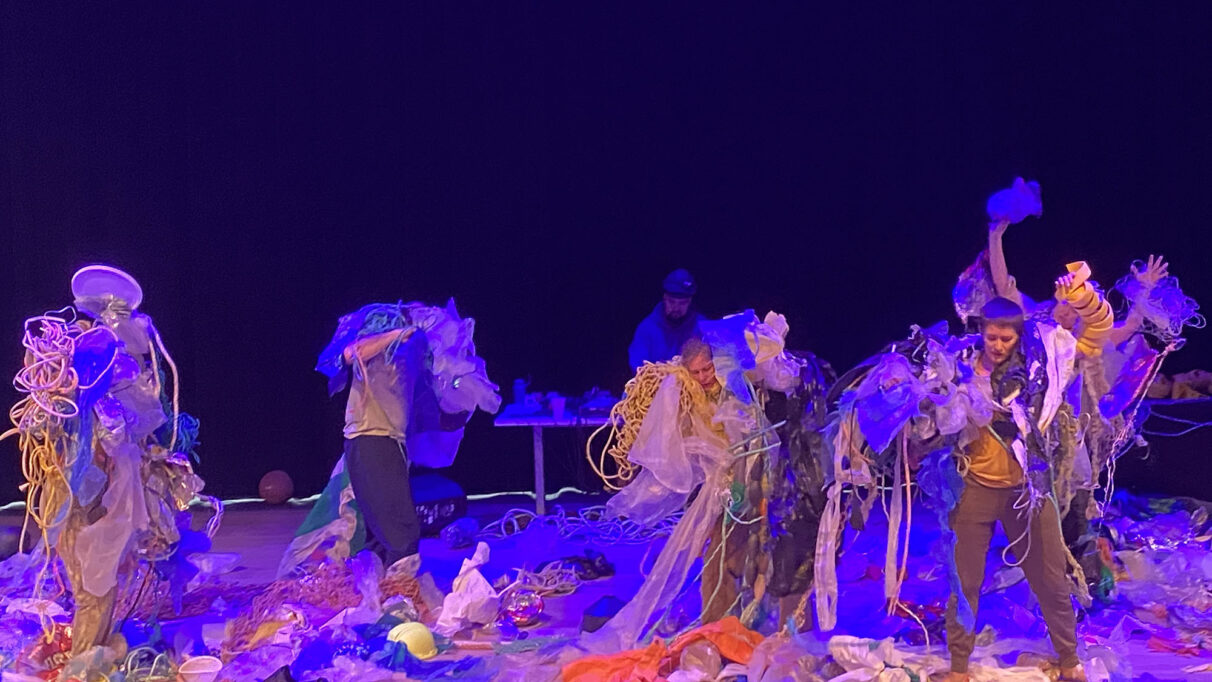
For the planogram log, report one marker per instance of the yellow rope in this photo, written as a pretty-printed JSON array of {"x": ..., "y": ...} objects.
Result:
[
  {"x": 48, "y": 382},
  {"x": 627, "y": 416}
]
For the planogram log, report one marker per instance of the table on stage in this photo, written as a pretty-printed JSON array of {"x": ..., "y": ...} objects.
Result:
[{"x": 538, "y": 422}]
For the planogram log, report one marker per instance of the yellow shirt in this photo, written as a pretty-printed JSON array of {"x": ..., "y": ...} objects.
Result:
[
  {"x": 376, "y": 404},
  {"x": 989, "y": 462}
]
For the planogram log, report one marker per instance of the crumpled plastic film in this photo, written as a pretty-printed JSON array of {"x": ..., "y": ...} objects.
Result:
[
  {"x": 865, "y": 659},
  {"x": 1015, "y": 203},
  {"x": 333, "y": 521},
  {"x": 472, "y": 600},
  {"x": 886, "y": 399},
  {"x": 1129, "y": 370},
  {"x": 1164, "y": 306},
  {"x": 101, "y": 546}
]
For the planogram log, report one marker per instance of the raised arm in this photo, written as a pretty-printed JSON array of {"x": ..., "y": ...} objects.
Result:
[
  {"x": 1003, "y": 283},
  {"x": 370, "y": 346},
  {"x": 1155, "y": 269},
  {"x": 1094, "y": 311}
]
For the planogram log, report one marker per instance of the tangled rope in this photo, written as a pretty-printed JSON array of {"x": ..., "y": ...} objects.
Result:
[
  {"x": 627, "y": 416},
  {"x": 49, "y": 383},
  {"x": 590, "y": 524}
]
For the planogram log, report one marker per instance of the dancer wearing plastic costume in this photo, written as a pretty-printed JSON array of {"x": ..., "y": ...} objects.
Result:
[
  {"x": 670, "y": 440},
  {"x": 414, "y": 380},
  {"x": 994, "y": 490},
  {"x": 1114, "y": 363},
  {"x": 986, "y": 418},
  {"x": 105, "y": 451}
]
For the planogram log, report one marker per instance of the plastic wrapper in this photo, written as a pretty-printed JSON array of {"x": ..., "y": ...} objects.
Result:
[
  {"x": 701, "y": 659},
  {"x": 471, "y": 601},
  {"x": 461, "y": 533},
  {"x": 780, "y": 657},
  {"x": 746, "y": 349},
  {"x": 1129, "y": 370},
  {"x": 865, "y": 659},
  {"x": 522, "y": 607}
]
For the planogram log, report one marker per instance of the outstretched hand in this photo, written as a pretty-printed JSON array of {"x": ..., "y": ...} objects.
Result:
[
  {"x": 1155, "y": 270},
  {"x": 1064, "y": 284}
]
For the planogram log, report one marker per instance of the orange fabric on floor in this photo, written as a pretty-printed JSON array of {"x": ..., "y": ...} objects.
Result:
[
  {"x": 642, "y": 665},
  {"x": 735, "y": 642}
]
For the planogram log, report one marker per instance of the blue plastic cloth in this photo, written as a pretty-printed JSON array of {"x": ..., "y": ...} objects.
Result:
[
  {"x": 728, "y": 337},
  {"x": 942, "y": 488},
  {"x": 888, "y": 397},
  {"x": 1015, "y": 203},
  {"x": 368, "y": 320}
]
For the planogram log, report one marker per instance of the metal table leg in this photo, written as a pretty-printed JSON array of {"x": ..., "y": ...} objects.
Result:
[{"x": 540, "y": 486}]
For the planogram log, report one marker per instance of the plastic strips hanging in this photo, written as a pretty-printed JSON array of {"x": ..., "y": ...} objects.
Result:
[
  {"x": 942, "y": 488},
  {"x": 1015, "y": 203}
]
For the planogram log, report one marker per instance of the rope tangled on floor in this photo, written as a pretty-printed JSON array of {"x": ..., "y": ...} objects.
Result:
[{"x": 589, "y": 524}]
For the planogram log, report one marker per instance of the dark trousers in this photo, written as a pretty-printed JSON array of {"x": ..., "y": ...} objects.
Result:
[
  {"x": 378, "y": 473},
  {"x": 1042, "y": 552}
]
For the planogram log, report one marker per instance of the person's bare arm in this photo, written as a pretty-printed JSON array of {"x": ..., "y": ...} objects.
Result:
[
  {"x": 1003, "y": 283},
  {"x": 1155, "y": 269},
  {"x": 370, "y": 346}
]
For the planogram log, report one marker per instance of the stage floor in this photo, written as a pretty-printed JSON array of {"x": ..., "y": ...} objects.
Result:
[{"x": 259, "y": 534}]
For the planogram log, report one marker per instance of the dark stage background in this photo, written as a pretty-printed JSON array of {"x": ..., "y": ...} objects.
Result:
[{"x": 263, "y": 168}]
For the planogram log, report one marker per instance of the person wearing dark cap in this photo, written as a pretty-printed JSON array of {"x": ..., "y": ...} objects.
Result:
[{"x": 660, "y": 336}]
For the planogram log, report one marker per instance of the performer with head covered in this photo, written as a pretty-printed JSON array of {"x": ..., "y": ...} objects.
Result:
[
  {"x": 414, "y": 380},
  {"x": 106, "y": 451}
]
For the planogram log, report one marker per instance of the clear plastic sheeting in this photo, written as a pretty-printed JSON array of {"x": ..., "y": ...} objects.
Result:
[
  {"x": 664, "y": 582},
  {"x": 102, "y": 545},
  {"x": 671, "y": 470}
]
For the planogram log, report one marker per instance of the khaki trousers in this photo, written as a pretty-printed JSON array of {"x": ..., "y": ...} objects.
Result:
[{"x": 1041, "y": 551}]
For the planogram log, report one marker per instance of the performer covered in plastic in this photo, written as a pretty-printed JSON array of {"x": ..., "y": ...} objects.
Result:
[
  {"x": 414, "y": 380},
  {"x": 1114, "y": 365},
  {"x": 1004, "y": 425},
  {"x": 106, "y": 454},
  {"x": 696, "y": 435}
]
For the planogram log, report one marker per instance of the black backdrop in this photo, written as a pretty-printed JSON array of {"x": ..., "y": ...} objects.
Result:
[{"x": 263, "y": 168}]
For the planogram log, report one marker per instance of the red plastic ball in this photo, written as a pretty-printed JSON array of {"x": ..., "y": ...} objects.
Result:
[{"x": 276, "y": 487}]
